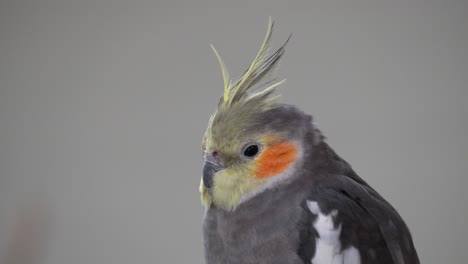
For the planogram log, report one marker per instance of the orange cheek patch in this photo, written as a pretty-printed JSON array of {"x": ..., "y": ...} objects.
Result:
[{"x": 275, "y": 159}]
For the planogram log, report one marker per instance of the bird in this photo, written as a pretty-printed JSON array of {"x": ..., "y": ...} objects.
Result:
[{"x": 274, "y": 191}]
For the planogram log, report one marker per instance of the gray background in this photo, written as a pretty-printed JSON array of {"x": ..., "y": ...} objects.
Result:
[{"x": 103, "y": 105}]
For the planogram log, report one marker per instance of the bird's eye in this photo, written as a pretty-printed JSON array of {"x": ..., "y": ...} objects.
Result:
[{"x": 251, "y": 150}]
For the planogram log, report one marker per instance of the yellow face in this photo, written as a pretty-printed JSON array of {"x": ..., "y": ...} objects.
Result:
[
  {"x": 238, "y": 162},
  {"x": 257, "y": 161}
]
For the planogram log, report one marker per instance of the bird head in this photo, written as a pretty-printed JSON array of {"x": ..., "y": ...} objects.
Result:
[{"x": 252, "y": 143}]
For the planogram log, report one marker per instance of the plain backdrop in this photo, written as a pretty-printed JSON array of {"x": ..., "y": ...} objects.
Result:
[{"x": 103, "y": 105}]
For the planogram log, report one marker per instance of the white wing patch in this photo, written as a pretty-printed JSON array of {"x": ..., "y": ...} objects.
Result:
[
  {"x": 328, "y": 245},
  {"x": 351, "y": 256}
]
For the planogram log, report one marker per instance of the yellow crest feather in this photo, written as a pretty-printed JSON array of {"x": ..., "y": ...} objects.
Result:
[
  {"x": 258, "y": 69},
  {"x": 224, "y": 72}
]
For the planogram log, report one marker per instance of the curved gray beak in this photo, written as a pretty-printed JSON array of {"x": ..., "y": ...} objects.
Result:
[{"x": 209, "y": 170}]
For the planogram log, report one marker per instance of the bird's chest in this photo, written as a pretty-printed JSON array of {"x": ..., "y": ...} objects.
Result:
[{"x": 253, "y": 236}]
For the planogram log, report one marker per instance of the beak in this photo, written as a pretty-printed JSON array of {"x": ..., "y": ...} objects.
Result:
[{"x": 209, "y": 169}]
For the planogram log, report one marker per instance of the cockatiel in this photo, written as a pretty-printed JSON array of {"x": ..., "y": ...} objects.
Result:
[{"x": 275, "y": 192}]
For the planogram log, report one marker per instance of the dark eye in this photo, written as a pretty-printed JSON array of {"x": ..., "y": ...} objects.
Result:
[{"x": 251, "y": 150}]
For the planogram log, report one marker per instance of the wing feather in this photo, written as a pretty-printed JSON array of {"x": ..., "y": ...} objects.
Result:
[{"x": 368, "y": 221}]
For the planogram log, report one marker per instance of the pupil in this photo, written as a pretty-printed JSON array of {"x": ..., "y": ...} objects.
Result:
[{"x": 251, "y": 151}]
